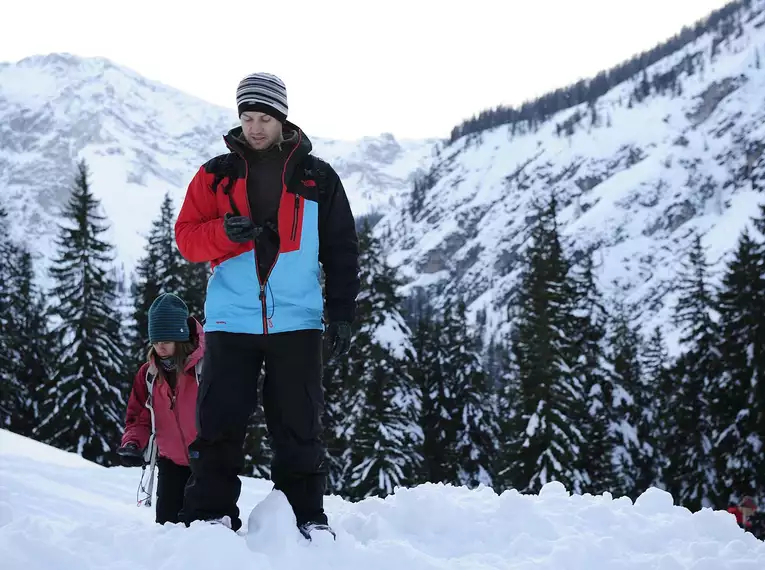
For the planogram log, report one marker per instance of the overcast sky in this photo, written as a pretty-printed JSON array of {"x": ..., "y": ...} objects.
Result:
[{"x": 415, "y": 68}]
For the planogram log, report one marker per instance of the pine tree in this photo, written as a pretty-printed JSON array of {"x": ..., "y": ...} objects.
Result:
[
  {"x": 8, "y": 386},
  {"x": 144, "y": 289},
  {"x": 83, "y": 406},
  {"x": 177, "y": 275},
  {"x": 690, "y": 474},
  {"x": 437, "y": 424},
  {"x": 625, "y": 392},
  {"x": 28, "y": 346},
  {"x": 124, "y": 310},
  {"x": 757, "y": 174},
  {"x": 381, "y": 451},
  {"x": 550, "y": 440},
  {"x": 475, "y": 406},
  {"x": 194, "y": 278},
  {"x": 341, "y": 388},
  {"x": 589, "y": 337},
  {"x": 758, "y": 420},
  {"x": 741, "y": 303},
  {"x": 162, "y": 242},
  {"x": 507, "y": 390},
  {"x": 656, "y": 415},
  {"x": 160, "y": 270}
]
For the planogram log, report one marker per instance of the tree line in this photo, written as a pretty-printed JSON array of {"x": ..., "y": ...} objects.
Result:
[
  {"x": 574, "y": 393},
  {"x": 725, "y": 23}
]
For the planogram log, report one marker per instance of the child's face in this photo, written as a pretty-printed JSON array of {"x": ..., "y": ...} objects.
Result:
[{"x": 165, "y": 349}]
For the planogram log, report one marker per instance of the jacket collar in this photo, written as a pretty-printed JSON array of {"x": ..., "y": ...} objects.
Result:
[{"x": 296, "y": 146}]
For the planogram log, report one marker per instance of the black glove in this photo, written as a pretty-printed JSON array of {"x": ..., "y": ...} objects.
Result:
[
  {"x": 240, "y": 229},
  {"x": 339, "y": 334},
  {"x": 130, "y": 455}
]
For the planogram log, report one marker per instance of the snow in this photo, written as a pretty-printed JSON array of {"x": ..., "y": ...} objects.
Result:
[
  {"x": 394, "y": 335},
  {"x": 60, "y": 511}
]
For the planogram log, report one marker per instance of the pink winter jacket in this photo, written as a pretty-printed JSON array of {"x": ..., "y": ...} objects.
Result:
[{"x": 174, "y": 411}]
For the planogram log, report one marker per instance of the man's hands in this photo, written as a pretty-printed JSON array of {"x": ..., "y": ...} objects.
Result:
[
  {"x": 339, "y": 337},
  {"x": 240, "y": 229}
]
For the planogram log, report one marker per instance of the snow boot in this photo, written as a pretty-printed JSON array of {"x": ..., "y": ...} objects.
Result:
[
  {"x": 224, "y": 521},
  {"x": 307, "y": 528}
]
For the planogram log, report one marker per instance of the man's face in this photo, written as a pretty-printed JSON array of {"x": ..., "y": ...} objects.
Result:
[{"x": 260, "y": 130}]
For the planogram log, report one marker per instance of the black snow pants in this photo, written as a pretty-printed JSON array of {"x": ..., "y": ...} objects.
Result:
[
  {"x": 293, "y": 402},
  {"x": 171, "y": 482}
]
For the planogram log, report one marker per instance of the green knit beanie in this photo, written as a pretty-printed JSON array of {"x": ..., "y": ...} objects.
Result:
[{"x": 168, "y": 319}]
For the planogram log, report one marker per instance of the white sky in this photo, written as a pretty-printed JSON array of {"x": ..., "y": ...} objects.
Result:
[{"x": 415, "y": 68}]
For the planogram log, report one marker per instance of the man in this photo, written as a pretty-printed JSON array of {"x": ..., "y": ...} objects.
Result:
[{"x": 265, "y": 215}]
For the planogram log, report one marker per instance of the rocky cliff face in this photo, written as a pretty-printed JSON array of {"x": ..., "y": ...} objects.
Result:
[
  {"x": 636, "y": 173},
  {"x": 142, "y": 139}
]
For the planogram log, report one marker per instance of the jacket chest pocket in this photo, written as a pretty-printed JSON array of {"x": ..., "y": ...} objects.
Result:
[{"x": 292, "y": 214}]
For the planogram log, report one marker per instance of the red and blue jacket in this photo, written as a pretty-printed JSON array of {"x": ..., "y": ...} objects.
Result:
[{"x": 312, "y": 229}]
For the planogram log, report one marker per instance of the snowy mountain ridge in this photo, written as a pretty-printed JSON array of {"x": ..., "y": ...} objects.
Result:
[
  {"x": 676, "y": 150},
  {"x": 59, "y": 510},
  {"x": 141, "y": 139}
]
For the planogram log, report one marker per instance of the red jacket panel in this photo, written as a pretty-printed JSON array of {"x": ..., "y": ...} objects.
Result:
[
  {"x": 199, "y": 230},
  {"x": 739, "y": 516},
  {"x": 174, "y": 410}
]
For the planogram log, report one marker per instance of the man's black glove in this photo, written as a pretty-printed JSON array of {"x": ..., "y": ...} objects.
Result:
[
  {"x": 240, "y": 229},
  {"x": 130, "y": 455},
  {"x": 339, "y": 336}
]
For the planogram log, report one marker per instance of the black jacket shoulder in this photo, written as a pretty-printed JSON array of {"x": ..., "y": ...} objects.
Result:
[
  {"x": 217, "y": 163},
  {"x": 228, "y": 165}
]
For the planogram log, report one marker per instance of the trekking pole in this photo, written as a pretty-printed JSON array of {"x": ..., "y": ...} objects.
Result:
[{"x": 152, "y": 449}]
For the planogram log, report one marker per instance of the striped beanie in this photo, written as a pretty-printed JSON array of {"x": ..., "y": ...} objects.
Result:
[
  {"x": 168, "y": 319},
  {"x": 264, "y": 93}
]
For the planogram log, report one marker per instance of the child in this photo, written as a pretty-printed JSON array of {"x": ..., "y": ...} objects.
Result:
[
  {"x": 743, "y": 512},
  {"x": 177, "y": 345}
]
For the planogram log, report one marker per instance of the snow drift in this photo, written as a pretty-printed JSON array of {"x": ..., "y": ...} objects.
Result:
[{"x": 59, "y": 511}]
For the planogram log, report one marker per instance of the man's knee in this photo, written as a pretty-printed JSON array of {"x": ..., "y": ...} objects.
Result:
[
  {"x": 222, "y": 455},
  {"x": 296, "y": 458}
]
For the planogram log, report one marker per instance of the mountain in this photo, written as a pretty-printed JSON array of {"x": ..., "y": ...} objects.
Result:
[
  {"x": 142, "y": 138},
  {"x": 59, "y": 511},
  {"x": 640, "y": 158}
]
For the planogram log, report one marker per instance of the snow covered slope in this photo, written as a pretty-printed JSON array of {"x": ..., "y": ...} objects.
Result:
[
  {"x": 58, "y": 511},
  {"x": 142, "y": 138},
  {"x": 632, "y": 187}
]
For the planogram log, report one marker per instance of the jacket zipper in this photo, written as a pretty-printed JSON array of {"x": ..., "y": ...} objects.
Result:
[
  {"x": 295, "y": 217},
  {"x": 178, "y": 420},
  {"x": 262, "y": 284},
  {"x": 270, "y": 269}
]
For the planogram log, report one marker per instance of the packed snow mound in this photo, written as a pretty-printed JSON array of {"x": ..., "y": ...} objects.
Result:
[{"x": 69, "y": 514}]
